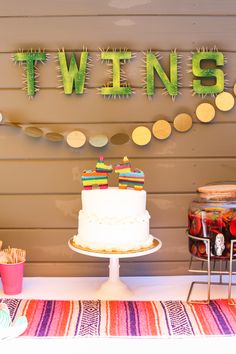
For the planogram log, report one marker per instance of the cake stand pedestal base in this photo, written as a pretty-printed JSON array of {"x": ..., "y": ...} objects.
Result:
[{"x": 113, "y": 288}]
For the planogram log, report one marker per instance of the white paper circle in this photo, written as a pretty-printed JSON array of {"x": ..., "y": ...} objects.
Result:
[{"x": 98, "y": 140}]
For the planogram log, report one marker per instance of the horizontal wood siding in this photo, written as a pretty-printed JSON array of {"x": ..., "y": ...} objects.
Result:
[
  {"x": 40, "y": 180},
  {"x": 51, "y": 239},
  {"x": 136, "y": 32},
  {"x": 114, "y": 7},
  {"x": 63, "y": 176}
]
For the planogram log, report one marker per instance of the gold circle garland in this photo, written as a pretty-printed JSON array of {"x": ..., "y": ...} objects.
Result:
[
  {"x": 161, "y": 129},
  {"x": 54, "y": 137},
  {"x": 141, "y": 136},
  {"x": 224, "y": 101},
  {"x": 234, "y": 89},
  {"x": 33, "y": 132},
  {"x": 119, "y": 139},
  {"x": 183, "y": 122},
  {"x": 205, "y": 112}
]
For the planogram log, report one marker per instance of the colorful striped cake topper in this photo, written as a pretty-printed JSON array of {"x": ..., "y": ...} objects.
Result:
[
  {"x": 98, "y": 177},
  {"x": 127, "y": 177}
]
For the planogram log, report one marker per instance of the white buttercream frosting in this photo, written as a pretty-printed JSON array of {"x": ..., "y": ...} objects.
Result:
[
  {"x": 113, "y": 219},
  {"x": 114, "y": 202}
]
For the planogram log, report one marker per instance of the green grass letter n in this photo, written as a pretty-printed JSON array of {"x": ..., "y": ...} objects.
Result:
[{"x": 153, "y": 65}]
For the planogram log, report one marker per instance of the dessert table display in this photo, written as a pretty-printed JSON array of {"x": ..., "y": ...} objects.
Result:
[{"x": 114, "y": 287}]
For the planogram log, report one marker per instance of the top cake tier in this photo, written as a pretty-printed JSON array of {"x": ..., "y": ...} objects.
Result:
[{"x": 114, "y": 202}]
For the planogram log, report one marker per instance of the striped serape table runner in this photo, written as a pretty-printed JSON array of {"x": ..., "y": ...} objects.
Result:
[{"x": 55, "y": 318}]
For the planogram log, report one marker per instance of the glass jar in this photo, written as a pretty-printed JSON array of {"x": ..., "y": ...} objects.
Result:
[{"x": 212, "y": 215}]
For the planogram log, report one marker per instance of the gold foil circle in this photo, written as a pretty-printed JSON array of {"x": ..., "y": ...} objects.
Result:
[
  {"x": 141, "y": 136},
  {"x": 33, "y": 132},
  {"x": 154, "y": 244},
  {"x": 224, "y": 101},
  {"x": 119, "y": 139},
  {"x": 54, "y": 137},
  {"x": 235, "y": 89},
  {"x": 161, "y": 129},
  {"x": 205, "y": 112},
  {"x": 183, "y": 122},
  {"x": 98, "y": 140},
  {"x": 76, "y": 139}
]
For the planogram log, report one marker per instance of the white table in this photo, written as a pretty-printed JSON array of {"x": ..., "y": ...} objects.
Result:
[
  {"x": 145, "y": 288},
  {"x": 113, "y": 287}
]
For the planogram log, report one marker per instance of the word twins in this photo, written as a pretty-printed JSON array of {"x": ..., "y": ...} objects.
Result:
[{"x": 73, "y": 72}]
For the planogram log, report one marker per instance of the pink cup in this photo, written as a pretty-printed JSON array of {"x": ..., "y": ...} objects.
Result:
[{"x": 12, "y": 277}]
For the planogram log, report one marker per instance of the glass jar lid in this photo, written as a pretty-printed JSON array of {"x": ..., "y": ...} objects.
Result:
[{"x": 218, "y": 191}]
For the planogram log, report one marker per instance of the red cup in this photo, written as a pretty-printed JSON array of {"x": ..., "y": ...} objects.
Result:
[{"x": 12, "y": 277}]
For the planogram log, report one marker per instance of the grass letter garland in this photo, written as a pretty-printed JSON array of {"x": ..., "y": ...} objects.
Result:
[{"x": 205, "y": 64}]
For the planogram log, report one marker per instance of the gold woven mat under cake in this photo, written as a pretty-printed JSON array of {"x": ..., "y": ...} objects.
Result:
[{"x": 154, "y": 244}]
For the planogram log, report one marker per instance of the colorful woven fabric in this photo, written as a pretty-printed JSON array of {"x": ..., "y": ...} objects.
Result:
[{"x": 53, "y": 318}]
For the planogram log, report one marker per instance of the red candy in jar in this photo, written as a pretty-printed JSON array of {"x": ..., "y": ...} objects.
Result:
[{"x": 212, "y": 215}]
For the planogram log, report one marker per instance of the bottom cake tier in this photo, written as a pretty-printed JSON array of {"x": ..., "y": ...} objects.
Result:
[{"x": 113, "y": 234}]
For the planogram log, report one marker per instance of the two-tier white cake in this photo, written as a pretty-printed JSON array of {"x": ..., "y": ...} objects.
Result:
[{"x": 113, "y": 219}]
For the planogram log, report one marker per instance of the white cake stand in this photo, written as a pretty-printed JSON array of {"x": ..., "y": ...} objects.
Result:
[{"x": 114, "y": 288}]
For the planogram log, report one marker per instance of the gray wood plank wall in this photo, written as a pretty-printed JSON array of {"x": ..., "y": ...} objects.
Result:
[{"x": 40, "y": 180}]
